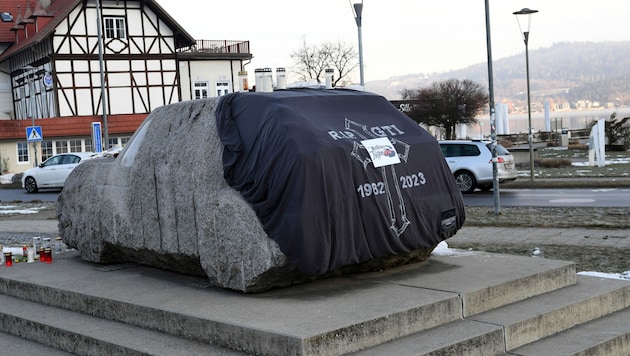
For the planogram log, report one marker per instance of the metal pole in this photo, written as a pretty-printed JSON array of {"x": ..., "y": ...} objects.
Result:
[
  {"x": 529, "y": 110},
  {"x": 102, "y": 72},
  {"x": 32, "y": 104},
  {"x": 493, "y": 130},
  {"x": 530, "y": 138},
  {"x": 358, "y": 10}
]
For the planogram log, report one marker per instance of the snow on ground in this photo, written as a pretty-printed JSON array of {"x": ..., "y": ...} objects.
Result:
[
  {"x": 6, "y": 178},
  {"x": 624, "y": 160},
  {"x": 623, "y": 275},
  {"x": 442, "y": 249},
  {"x": 12, "y": 209}
]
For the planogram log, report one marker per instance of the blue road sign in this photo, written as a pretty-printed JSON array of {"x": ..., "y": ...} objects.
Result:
[
  {"x": 34, "y": 133},
  {"x": 96, "y": 137}
]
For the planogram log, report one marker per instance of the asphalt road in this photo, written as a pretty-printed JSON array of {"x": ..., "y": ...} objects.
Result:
[
  {"x": 573, "y": 197},
  {"x": 20, "y": 195}
]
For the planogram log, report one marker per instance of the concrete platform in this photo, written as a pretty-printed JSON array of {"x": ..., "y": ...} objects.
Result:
[{"x": 332, "y": 316}]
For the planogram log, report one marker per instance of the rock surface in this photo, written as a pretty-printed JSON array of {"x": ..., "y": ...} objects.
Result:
[{"x": 164, "y": 202}]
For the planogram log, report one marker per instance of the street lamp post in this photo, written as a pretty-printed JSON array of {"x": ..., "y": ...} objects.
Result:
[
  {"x": 525, "y": 31},
  {"x": 357, "y": 9}
]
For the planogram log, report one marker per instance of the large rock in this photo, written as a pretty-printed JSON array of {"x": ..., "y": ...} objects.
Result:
[{"x": 164, "y": 202}]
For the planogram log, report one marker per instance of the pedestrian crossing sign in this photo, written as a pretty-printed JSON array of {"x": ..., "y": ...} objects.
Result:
[{"x": 34, "y": 133}]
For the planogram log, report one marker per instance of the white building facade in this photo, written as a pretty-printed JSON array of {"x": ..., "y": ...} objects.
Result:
[{"x": 50, "y": 74}]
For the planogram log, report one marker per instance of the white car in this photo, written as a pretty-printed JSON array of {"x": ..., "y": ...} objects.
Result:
[
  {"x": 471, "y": 164},
  {"x": 53, "y": 172}
]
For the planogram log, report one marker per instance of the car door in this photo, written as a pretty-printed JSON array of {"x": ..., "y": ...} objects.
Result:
[
  {"x": 48, "y": 172},
  {"x": 65, "y": 167},
  {"x": 451, "y": 153}
]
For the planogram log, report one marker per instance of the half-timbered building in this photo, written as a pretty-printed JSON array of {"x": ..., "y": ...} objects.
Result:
[{"x": 65, "y": 64}]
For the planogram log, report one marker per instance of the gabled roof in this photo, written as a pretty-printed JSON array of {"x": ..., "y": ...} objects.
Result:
[
  {"x": 59, "y": 10},
  {"x": 70, "y": 126}
]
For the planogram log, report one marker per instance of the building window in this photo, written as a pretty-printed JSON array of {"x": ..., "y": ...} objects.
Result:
[
  {"x": 115, "y": 27},
  {"x": 75, "y": 145},
  {"x": 47, "y": 150},
  {"x": 22, "y": 151},
  {"x": 223, "y": 88},
  {"x": 201, "y": 90},
  {"x": 61, "y": 147}
]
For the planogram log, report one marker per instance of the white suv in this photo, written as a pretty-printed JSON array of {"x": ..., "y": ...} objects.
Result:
[{"x": 471, "y": 164}]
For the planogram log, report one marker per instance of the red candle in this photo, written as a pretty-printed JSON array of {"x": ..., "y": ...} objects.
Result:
[
  {"x": 8, "y": 259},
  {"x": 48, "y": 254}
]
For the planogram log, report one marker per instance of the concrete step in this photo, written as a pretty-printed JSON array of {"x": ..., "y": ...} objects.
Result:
[
  {"x": 484, "y": 281},
  {"x": 332, "y": 316},
  {"x": 608, "y": 335},
  {"x": 536, "y": 318},
  {"x": 24, "y": 347},
  {"x": 83, "y": 334},
  {"x": 462, "y": 337}
]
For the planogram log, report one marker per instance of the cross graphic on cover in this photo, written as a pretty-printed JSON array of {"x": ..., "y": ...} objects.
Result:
[{"x": 395, "y": 201}]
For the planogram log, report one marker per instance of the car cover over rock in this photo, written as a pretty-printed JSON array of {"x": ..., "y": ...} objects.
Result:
[
  {"x": 298, "y": 157},
  {"x": 259, "y": 190}
]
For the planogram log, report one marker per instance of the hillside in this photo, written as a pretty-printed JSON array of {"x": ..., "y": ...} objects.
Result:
[{"x": 564, "y": 72}]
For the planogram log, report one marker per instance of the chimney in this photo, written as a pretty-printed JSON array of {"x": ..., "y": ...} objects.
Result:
[
  {"x": 281, "y": 78},
  {"x": 258, "y": 75},
  {"x": 267, "y": 80},
  {"x": 242, "y": 79},
  {"x": 330, "y": 73}
]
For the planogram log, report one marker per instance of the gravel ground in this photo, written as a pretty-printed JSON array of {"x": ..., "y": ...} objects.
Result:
[
  {"x": 588, "y": 218},
  {"x": 587, "y": 258}
]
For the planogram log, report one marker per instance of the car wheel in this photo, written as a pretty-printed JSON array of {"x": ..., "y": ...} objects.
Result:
[
  {"x": 30, "y": 185},
  {"x": 465, "y": 181}
]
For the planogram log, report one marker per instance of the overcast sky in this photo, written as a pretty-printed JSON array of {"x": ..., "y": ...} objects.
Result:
[{"x": 399, "y": 36}]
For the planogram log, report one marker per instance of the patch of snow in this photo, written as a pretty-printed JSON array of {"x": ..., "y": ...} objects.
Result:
[
  {"x": 6, "y": 178},
  {"x": 12, "y": 209},
  {"x": 621, "y": 276},
  {"x": 442, "y": 249}
]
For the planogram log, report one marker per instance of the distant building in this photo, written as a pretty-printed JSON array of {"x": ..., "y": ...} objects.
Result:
[{"x": 50, "y": 61}]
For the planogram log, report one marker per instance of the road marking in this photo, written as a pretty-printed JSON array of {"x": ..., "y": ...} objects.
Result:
[{"x": 569, "y": 200}]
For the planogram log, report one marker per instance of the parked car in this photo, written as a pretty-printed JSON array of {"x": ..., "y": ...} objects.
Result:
[
  {"x": 471, "y": 164},
  {"x": 52, "y": 173},
  {"x": 110, "y": 153}
]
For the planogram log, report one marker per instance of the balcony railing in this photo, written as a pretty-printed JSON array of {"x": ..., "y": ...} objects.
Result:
[{"x": 218, "y": 46}]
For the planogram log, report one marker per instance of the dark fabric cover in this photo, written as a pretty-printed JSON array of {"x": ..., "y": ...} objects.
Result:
[{"x": 296, "y": 157}]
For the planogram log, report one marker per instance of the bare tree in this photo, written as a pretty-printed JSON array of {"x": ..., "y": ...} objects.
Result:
[
  {"x": 408, "y": 94},
  {"x": 311, "y": 61},
  {"x": 448, "y": 103},
  {"x": 344, "y": 59}
]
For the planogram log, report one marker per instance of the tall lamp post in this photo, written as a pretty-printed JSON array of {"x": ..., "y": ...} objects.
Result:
[
  {"x": 525, "y": 12},
  {"x": 357, "y": 9}
]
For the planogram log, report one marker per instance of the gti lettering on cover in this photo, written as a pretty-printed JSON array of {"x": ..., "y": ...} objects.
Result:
[{"x": 390, "y": 181}]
